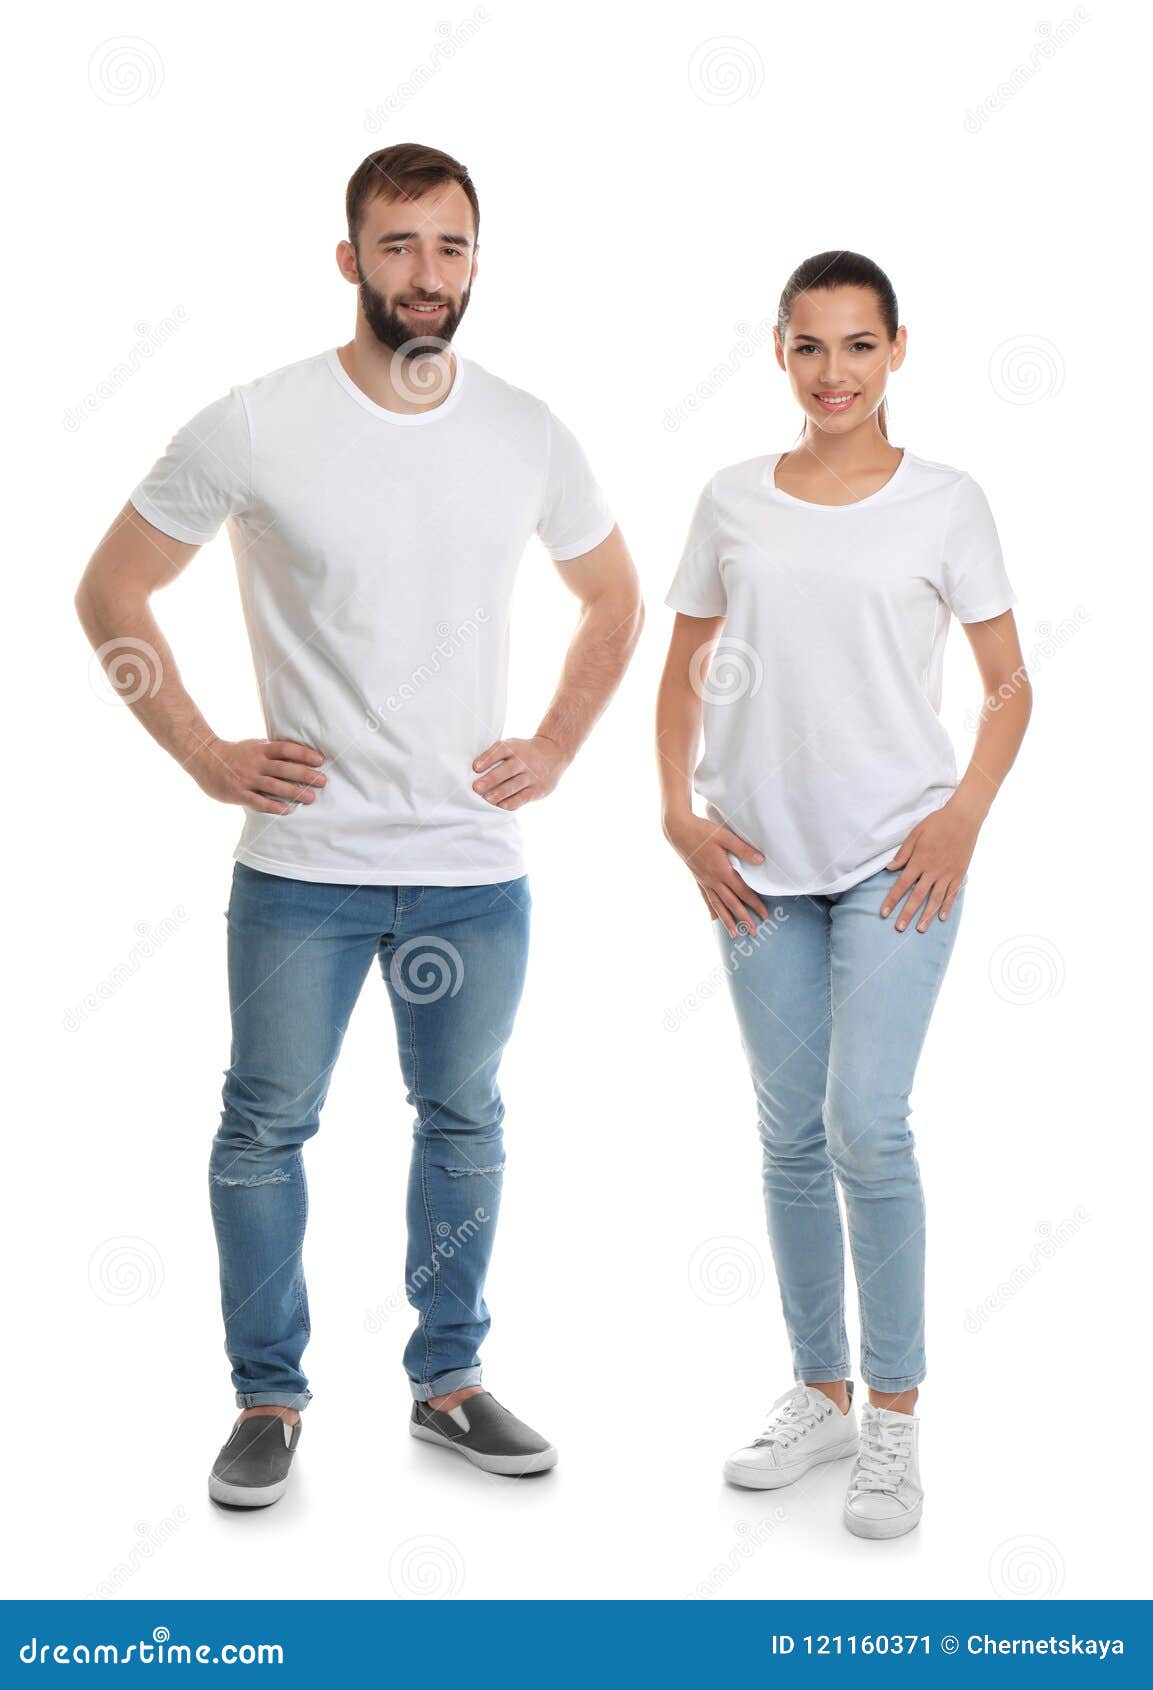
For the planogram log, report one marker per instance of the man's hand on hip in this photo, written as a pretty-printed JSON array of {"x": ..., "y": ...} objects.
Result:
[
  {"x": 517, "y": 771},
  {"x": 262, "y": 774}
]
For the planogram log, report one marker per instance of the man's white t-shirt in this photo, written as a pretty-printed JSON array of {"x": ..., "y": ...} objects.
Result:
[
  {"x": 822, "y": 742},
  {"x": 376, "y": 553}
]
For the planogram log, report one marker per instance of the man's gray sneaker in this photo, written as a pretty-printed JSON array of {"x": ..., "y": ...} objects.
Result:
[
  {"x": 485, "y": 1433},
  {"x": 252, "y": 1468}
]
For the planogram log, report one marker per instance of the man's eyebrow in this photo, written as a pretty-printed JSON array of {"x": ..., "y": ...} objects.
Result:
[
  {"x": 414, "y": 234},
  {"x": 859, "y": 335}
]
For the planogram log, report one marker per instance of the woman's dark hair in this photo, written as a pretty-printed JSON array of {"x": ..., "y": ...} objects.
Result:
[{"x": 828, "y": 270}]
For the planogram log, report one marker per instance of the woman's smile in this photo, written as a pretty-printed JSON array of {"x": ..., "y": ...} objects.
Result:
[{"x": 836, "y": 401}]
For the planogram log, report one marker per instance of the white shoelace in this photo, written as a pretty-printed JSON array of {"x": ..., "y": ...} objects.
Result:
[
  {"x": 790, "y": 1417},
  {"x": 882, "y": 1454}
]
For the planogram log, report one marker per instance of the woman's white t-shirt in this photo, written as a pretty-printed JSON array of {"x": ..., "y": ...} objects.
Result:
[
  {"x": 376, "y": 553},
  {"x": 822, "y": 742}
]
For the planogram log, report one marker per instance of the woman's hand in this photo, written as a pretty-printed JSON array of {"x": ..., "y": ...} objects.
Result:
[
  {"x": 705, "y": 848},
  {"x": 933, "y": 860}
]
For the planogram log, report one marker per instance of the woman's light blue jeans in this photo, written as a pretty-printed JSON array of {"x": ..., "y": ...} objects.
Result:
[
  {"x": 833, "y": 1005},
  {"x": 453, "y": 959}
]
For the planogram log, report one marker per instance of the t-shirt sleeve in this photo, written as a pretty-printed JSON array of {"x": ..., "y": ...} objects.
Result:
[
  {"x": 575, "y": 514},
  {"x": 975, "y": 583},
  {"x": 203, "y": 477},
  {"x": 697, "y": 588}
]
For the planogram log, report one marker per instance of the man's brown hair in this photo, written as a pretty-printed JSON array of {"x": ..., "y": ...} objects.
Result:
[{"x": 404, "y": 171}]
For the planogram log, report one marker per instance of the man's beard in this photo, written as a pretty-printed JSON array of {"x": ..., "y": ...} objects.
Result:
[{"x": 394, "y": 331}]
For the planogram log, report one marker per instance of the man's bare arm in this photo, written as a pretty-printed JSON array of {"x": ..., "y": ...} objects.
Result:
[
  {"x": 516, "y": 771},
  {"x": 113, "y": 602}
]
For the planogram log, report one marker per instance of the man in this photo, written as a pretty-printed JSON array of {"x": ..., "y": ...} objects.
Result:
[{"x": 378, "y": 497}]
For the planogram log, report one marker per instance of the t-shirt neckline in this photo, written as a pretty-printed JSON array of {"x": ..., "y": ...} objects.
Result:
[
  {"x": 812, "y": 505},
  {"x": 402, "y": 419}
]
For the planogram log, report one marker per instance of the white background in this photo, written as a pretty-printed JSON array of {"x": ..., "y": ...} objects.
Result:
[{"x": 648, "y": 178}]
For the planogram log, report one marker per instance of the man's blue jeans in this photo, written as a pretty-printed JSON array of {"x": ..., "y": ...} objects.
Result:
[
  {"x": 833, "y": 1005},
  {"x": 453, "y": 959}
]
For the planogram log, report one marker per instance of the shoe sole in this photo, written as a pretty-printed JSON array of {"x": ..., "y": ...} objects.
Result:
[
  {"x": 752, "y": 1478},
  {"x": 246, "y": 1496},
  {"x": 895, "y": 1527},
  {"x": 511, "y": 1466}
]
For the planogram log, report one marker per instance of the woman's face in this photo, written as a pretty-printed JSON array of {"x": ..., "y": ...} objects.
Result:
[{"x": 837, "y": 356}]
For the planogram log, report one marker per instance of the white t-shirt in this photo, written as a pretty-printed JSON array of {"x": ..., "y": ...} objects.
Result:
[
  {"x": 376, "y": 553},
  {"x": 822, "y": 742}
]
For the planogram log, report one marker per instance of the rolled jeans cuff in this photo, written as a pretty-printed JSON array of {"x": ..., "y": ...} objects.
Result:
[
  {"x": 892, "y": 1387},
  {"x": 444, "y": 1383},
  {"x": 281, "y": 1399}
]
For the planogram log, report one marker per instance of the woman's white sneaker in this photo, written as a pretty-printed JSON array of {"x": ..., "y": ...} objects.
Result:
[
  {"x": 885, "y": 1497},
  {"x": 805, "y": 1427}
]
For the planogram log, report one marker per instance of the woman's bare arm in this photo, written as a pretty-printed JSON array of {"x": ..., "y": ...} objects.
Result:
[
  {"x": 701, "y": 844},
  {"x": 935, "y": 856}
]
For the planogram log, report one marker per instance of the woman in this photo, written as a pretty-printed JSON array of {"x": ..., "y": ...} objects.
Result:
[{"x": 813, "y": 600}]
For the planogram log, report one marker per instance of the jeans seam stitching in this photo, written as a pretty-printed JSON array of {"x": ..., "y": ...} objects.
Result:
[
  {"x": 425, "y": 1319},
  {"x": 844, "y": 1334}
]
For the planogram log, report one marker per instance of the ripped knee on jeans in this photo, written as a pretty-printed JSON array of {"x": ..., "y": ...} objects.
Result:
[
  {"x": 460, "y": 1173},
  {"x": 277, "y": 1176}
]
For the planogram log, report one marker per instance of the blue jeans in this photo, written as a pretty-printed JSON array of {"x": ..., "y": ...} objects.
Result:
[
  {"x": 453, "y": 959},
  {"x": 833, "y": 1006}
]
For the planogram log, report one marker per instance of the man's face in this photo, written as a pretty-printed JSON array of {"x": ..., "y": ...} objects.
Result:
[{"x": 416, "y": 260}]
